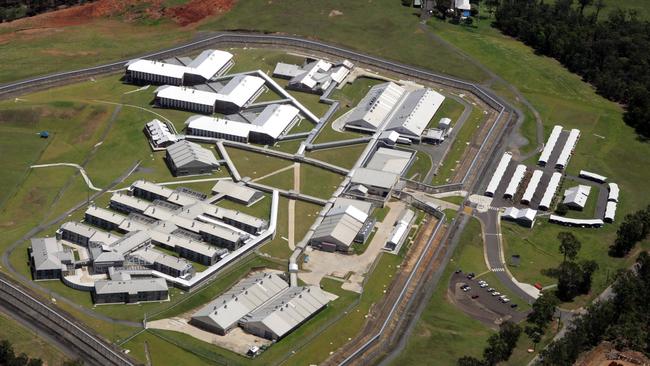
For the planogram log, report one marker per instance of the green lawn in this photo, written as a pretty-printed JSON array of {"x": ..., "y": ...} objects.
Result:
[
  {"x": 451, "y": 109},
  {"x": 255, "y": 165},
  {"x": 327, "y": 133},
  {"x": 318, "y": 182},
  {"x": 278, "y": 247},
  {"x": 589, "y": 211},
  {"x": 420, "y": 167},
  {"x": 454, "y": 199},
  {"x": 281, "y": 180},
  {"x": 380, "y": 213},
  {"x": 345, "y": 157},
  {"x": 25, "y": 341},
  {"x": 448, "y": 168},
  {"x": 290, "y": 146}
]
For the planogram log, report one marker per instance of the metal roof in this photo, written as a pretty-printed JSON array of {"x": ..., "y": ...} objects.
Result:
[
  {"x": 132, "y": 286},
  {"x": 376, "y": 105},
  {"x": 551, "y": 188},
  {"x": 516, "y": 179},
  {"x": 610, "y": 211},
  {"x": 151, "y": 187},
  {"x": 240, "y": 89},
  {"x": 225, "y": 311},
  {"x": 613, "y": 192},
  {"x": 47, "y": 254},
  {"x": 130, "y": 201},
  {"x": 185, "y": 153},
  {"x": 374, "y": 178},
  {"x": 160, "y": 132},
  {"x": 532, "y": 185},
  {"x": 185, "y": 94},
  {"x": 236, "y": 191},
  {"x": 592, "y": 176},
  {"x": 340, "y": 226},
  {"x": 156, "y": 68},
  {"x": 105, "y": 215},
  {"x": 498, "y": 174},
  {"x": 288, "y": 310},
  {"x": 577, "y": 195},
  {"x": 415, "y": 112},
  {"x": 550, "y": 145},
  {"x": 131, "y": 242},
  {"x": 571, "y": 142},
  {"x": 209, "y": 62}
]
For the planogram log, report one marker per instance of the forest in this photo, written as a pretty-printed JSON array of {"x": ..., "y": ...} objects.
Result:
[
  {"x": 16, "y": 9},
  {"x": 613, "y": 54}
]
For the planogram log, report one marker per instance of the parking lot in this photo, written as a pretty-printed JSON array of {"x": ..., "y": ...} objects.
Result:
[{"x": 478, "y": 303}]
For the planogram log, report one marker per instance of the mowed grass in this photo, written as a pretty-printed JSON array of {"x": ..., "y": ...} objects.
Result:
[
  {"x": 345, "y": 157},
  {"x": 255, "y": 165},
  {"x": 450, "y": 108},
  {"x": 278, "y": 247},
  {"x": 25, "y": 341},
  {"x": 281, "y": 180},
  {"x": 318, "y": 182},
  {"x": 420, "y": 167}
]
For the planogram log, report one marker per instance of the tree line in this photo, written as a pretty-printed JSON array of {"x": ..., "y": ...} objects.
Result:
[
  {"x": 8, "y": 357},
  {"x": 623, "y": 320},
  {"x": 633, "y": 229},
  {"x": 499, "y": 348},
  {"x": 612, "y": 54},
  {"x": 16, "y": 9}
]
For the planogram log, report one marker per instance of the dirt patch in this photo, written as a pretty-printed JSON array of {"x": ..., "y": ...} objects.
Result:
[
  {"x": 197, "y": 10},
  {"x": 335, "y": 13},
  {"x": 605, "y": 354},
  {"x": 55, "y": 52}
]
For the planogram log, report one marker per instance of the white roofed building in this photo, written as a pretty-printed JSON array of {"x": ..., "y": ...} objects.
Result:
[
  {"x": 576, "y": 197},
  {"x": 613, "y": 193},
  {"x": 185, "y": 98},
  {"x": 375, "y": 107},
  {"x": 238, "y": 92},
  {"x": 159, "y": 134},
  {"x": 415, "y": 112},
  {"x": 315, "y": 76},
  {"x": 390, "y": 160},
  {"x": 610, "y": 211},
  {"x": 237, "y": 192},
  {"x": 523, "y": 216},
  {"x": 48, "y": 259},
  {"x": 339, "y": 229}
]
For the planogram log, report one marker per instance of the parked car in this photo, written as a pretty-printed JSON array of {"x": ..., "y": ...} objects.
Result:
[
  {"x": 471, "y": 275},
  {"x": 496, "y": 293},
  {"x": 458, "y": 270},
  {"x": 474, "y": 296},
  {"x": 505, "y": 300},
  {"x": 513, "y": 305},
  {"x": 491, "y": 289},
  {"x": 483, "y": 285},
  {"x": 466, "y": 288}
]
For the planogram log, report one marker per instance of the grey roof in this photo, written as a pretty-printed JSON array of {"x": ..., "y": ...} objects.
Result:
[
  {"x": 225, "y": 213},
  {"x": 415, "y": 112},
  {"x": 390, "y": 160},
  {"x": 236, "y": 191},
  {"x": 577, "y": 195},
  {"x": 376, "y": 106},
  {"x": 288, "y": 310},
  {"x": 90, "y": 233},
  {"x": 133, "y": 286},
  {"x": 106, "y": 215},
  {"x": 153, "y": 187},
  {"x": 345, "y": 202},
  {"x": 48, "y": 253},
  {"x": 287, "y": 70},
  {"x": 129, "y": 201},
  {"x": 150, "y": 256},
  {"x": 374, "y": 178},
  {"x": 245, "y": 296},
  {"x": 131, "y": 241},
  {"x": 185, "y": 153},
  {"x": 340, "y": 226}
]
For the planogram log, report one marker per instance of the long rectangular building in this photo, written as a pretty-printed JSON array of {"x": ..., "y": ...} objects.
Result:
[
  {"x": 130, "y": 290},
  {"x": 516, "y": 179},
  {"x": 498, "y": 174},
  {"x": 103, "y": 218},
  {"x": 567, "y": 151},
  {"x": 237, "y": 192},
  {"x": 532, "y": 186},
  {"x": 551, "y": 188},
  {"x": 550, "y": 145},
  {"x": 238, "y": 92}
]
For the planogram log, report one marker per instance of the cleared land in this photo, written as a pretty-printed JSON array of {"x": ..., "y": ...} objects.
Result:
[{"x": 28, "y": 342}]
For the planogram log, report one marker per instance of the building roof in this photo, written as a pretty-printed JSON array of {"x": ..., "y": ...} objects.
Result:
[
  {"x": 363, "y": 206},
  {"x": 156, "y": 68},
  {"x": 610, "y": 210},
  {"x": 287, "y": 70},
  {"x": 567, "y": 150},
  {"x": 159, "y": 132},
  {"x": 240, "y": 89},
  {"x": 415, "y": 112},
  {"x": 106, "y": 215},
  {"x": 152, "y": 255},
  {"x": 219, "y": 125},
  {"x": 613, "y": 192},
  {"x": 390, "y": 160},
  {"x": 89, "y": 232},
  {"x": 152, "y": 188},
  {"x": 236, "y": 191},
  {"x": 374, "y": 178},
  {"x": 130, "y": 242},
  {"x": 532, "y": 185},
  {"x": 498, "y": 173},
  {"x": 185, "y": 94},
  {"x": 289, "y": 309},
  {"x": 208, "y": 63},
  {"x": 48, "y": 253},
  {"x": 519, "y": 214},
  {"x": 550, "y": 144},
  {"x": 592, "y": 176},
  {"x": 341, "y": 225},
  {"x": 132, "y": 286},
  {"x": 551, "y": 188},
  {"x": 275, "y": 119},
  {"x": 576, "y": 222},
  {"x": 185, "y": 154},
  {"x": 244, "y": 297},
  {"x": 130, "y": 201},
  {"x": 517, "y": 177},
  {"x": 577, "y": 196},
  {"x": 376, "y": 105}
]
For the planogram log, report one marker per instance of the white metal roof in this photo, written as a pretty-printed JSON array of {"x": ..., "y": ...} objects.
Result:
[
  {"x": 374, "y": 178},
  {"x": 106, "y": 215},
  {"x": 376, "y": 106},
  {"x": 613, "y": 192},
  {"x": 159, "y": 132},
  {"x": 157, "y": 68},
  {"x": 415, "y": 112},
  {"x": 340, "y": 226},
  {"x": 275, "y": 119},
  {"x": 577, "y": 222},
  {"x": 532, "y": 186},
  {"x": 517, "y": 176},
  {"x": 219, "y": 125},
  {"x": 132, "y": 286},
  {"x": 209, "y": 63},
  {"x": 184, "y": 153},
  {"x": 151, "y": 187},
  {"x": 47, "y": 253},
  {"x": 550, "y": 145},
  {"x": 130, "y": 201},
  {"x": 498, "y": 173},
  {"x": 390, "y": 160},
  {"x": 551, "y": 188},
  {"x": 592, "y": 176},
  {"x": 186, "y": 94},
  {"x": 237, "y": 191},
  {"x": 240, "y": 89},
  {"x": 610, "y": 211},
  {"x": 571, "y": 142},
  {"x": 577, "y": 196}
]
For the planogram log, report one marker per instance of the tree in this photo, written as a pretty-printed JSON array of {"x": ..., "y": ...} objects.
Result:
[
  {"x": 543, "y": 310},
  {"x": 584, "y": 4},
  {"x": 562, "y": 209},
  {"x": 569, "y": 245},
  {"x": 600, "y": 4},
  {"x": 534, "y": 333},
  {"x": 469, "y": 361},
  {"x": 491, "y": 5}
]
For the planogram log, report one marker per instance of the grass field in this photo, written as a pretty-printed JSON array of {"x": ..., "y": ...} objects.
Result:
[
  {"x": 459, "y": 145},
  {"x": 25, "y": 341},
  {"x": 318, "y": 182},
  {"x": 281, "y": 180},
  {"x": 420, "y": 167},
  {"x": 254, "y": 165},
  {"x": 451, "y": 109},
  {"x": 345, "y": 157}
]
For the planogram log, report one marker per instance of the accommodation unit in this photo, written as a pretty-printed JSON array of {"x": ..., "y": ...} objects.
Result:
[
  {"x": 82, "y": 234},
  {"x": 390, "y": 160},
  {"x": 498, "y": 174},
  {"x": 188, "y": 158},
  {"x": 103, "y": 258},
  {"x": 610, "y": 211},
  {"x": 523, "y": 216},
  {"x": 567, "y": 151},
  {"x": 159, "y": 134},
  {"x": 550, "y": 145},
  {"x": 237, "y": 192},
  {"x": 238, "y": 92},
  {"x": 286, "y": 312},
  {"x": 339, "y": 229},
  {"x": 240, "y": 220},
  {"x": 131, "y": 242},
  {"x": 149, "y": 191},
  {"x": 315, "y": 76},
  {"x": 576, "y": 197},
  {"x": 400, "y": 230},
  {"x": 130, "y": 290},
  {"x": 375, "y": 107},
  {"x": 516, "y": 179},
  {"x": 266, "y": 128},
  {"x": 103, "y": 218},
  {"x": 48, "y": 259},
  {"x": 551, "y": 188},
  {"x": 179, "y": 71},
  {"x": 127, "y": 204},
  {"x": 224, "y": 312},
  {"x": 187, "y": 99},
  {"x": 567, "y": 221},
  {"x": 532, "y": 186},
  {"x": 376, "y": 182},
  {"x": 592, "y": 176},
  {"x": 613, "y": 192},
  {"x": 151, "y": 258},
  {"x": 415, "y": 112}
]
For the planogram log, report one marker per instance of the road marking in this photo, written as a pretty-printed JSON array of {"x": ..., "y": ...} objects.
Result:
[{"x": 499, "y": 269}]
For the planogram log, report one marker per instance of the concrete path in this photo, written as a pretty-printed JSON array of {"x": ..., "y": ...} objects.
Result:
[
  {"x": 291, "y": 219},
  {"x": 73, "y": 165}
]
